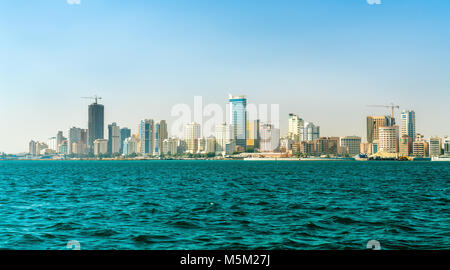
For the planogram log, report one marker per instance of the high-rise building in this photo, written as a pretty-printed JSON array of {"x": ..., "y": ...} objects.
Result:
[
  {"x": 253, "y": 136},
  {"x": 59, "y": 139},
  {"x": 114, "y": 141},
  {"x": 192, "y": 134},
  {"x": 352, "y": 144},
  {"x": 224, "y": 139},
  {"x": 388, "y": 137},
  {"x": 420, "y": 147},
  {"x": 238, "y": 118},
  {"x": 52, "y": 144},
  {"x": 32, "y": 148},
  {"x": 309, "y": 132},
  {"x": 405, "y": 145},
  {"x": 73, "y": 136},
  {"x": 100, "y": 147},
  {"x": 270, "y": 138},
  {"x": 435, "y": 146},
  {"x": 124, "y": 133},
  {"x": 96, "y": 125},
  {"x": 170, "y": 146},
  {"x": 130, "y": 146},
  {"x": 408, "y": 124},
  {"x": 160, "y": 135},
  {"x": 147, "y": 136},
  {"x": 374, "y": 123},
  {"x": 295, "y": 124}
]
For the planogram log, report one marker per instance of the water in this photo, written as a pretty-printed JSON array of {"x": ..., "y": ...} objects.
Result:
[{"x": 224, "y": 204}]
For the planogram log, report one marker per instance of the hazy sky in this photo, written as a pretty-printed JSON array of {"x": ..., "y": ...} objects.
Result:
[{"x": 324, "y": 60}]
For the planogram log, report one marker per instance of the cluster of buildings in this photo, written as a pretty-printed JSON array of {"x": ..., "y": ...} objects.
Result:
[
  {"x": 240, "y": 135},
  {"x": 385, "y": 137}
]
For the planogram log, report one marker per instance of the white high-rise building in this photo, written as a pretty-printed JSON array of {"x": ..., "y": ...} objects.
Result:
[
  {"x": 130, "y": 146},
  {"x": 408, "y": 124},
  {"x": 192, "y": 133},
  {"x": 388, "y": 139},
  {"x": 295, "y": 125},
  {"x": 52, "y": 144}
]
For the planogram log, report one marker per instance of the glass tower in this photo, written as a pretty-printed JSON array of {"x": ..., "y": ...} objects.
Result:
[
  {"x": 238, "y": 106},
  {"x": 95, "y": 123}
]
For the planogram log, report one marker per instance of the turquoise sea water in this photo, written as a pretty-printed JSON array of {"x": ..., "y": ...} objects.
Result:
[{"x": 224, "y": 204}]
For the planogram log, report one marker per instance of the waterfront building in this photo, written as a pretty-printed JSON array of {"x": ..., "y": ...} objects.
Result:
[
  {"x": 366, "y": 148},
  {"x": 270, "y": 138},
  {"x": 114, "y": 141},
  {"x": 405, "y": 145},
  {"x": 447, "y": 146},
  {"x": 309, "y": 132},
  {"x": 78, "y": 148},
  {"x": 388, "y": 136},
  {"x": 295, "y": 123},
  {"x": 286, "y": 145},
  {"x": 100, "y": 147},
  {"x": 52, "y": 144},
  {"x": 124, "y": 133},
  {"x": 238, "y": 110},
  {"x": 147, "y": 136},
  {"x": 375, "y": 146},
  {"x": 192, "y": 133},
  {"x": 160, "y": 135},
  {"x": 32, "y": 148},
  {"x": 307, "y": 148},
  {"x": 435, "y": 146},
  {"x": 201, "y": 145},
  {"x": 224, "y": 137},
  {"x": 352, "y": 143},
  {"x": 420, "y": 147},
  {"x": 96, "y": 125},
  {"x": 170, "y": 146},
  {"x": 62, "y": 147},
  {"x": 210, "y": 146},
  {"x": 373, "y": 126},
  {"x": 130, "y": 146},
  {"x": 408, "y": 124},
  {"x": 73, "y": 136},
  {"x": 253, "y": 136},
  {"x": 327, "y": 145},
  {"x": 181, "y": 146},
  {"x": 59, "y": 139}
]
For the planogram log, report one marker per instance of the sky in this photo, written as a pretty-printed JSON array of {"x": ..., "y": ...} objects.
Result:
[{"x": 323, "y": 60}]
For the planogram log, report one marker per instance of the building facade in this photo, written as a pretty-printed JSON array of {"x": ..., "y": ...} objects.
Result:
[
  {"x": 253, "y": 136},
  {"x": 270, "y": 138},
  {"x": 352, "y": 144},
  {"x": 295, "y": 123},
  {"x": 147, "y": 136},
  {"x": 100, "y": 147},
  {"x": 192, "y": 134},
  {"x": 405, "y": 145},
  {"x": 96, "y": 123},
  {"x": 435, "y": 146},
  {"x": 388, "y": 139},
  {"x": 408, "y": 124},
  {"x": 373, "y": 126},
  {"x": 238, "y": 110},
  {"x": 114, "y": 136}
]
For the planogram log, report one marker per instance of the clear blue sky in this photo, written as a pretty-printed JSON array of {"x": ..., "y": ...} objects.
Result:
[{"x": 324, "y": 60}]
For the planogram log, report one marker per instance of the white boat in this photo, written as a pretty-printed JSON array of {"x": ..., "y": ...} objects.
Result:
[{"x": 440, "y": 159}]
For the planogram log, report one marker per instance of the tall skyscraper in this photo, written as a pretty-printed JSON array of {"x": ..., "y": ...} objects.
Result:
[
  {"x": 124, "y": 133},
  {"x": 114, "y": 139},
  {"x": 147, "y": 136},
  {"x": 238, "y": 106},
  {"x": 192, "y": 134},
  {"x": 388, "y": 136},
  {"x": 59, "y": 139},
  {"x": 408, "y": 124},
  {"x": 295, "y": 124},
  {"x": 96, "y": 125},
  {"x": 374, "y": 123}
]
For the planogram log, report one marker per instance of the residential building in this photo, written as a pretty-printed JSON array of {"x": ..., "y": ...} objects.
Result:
[
  {"x": 270, "y": 138},
  {"x": 435, "y": 146},
  {"x": 408, "y": 124},
  {"x": 352, "y": 143},
  {"x": 224, "y": 139},
  {"x": 373, "y": 126},
  {"x": 388, "y": 137},
  {"x": 147, "y": 136},
  {"x": 327, "y": 145},
  {"x": 309, "y": 132},
  {"x": 130, "y": 146},
  {"x": 420, "y": 147},
  {"x": 192, "y": 133},
  {"x": 100, "y": 147},
  {"x": 405, "y": 145},
  {"x": 114, "y": 136},
  {"x": 295, "y": 123}
]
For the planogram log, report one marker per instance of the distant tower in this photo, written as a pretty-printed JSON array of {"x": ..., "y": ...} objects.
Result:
[
  {"x": 408, "y": 123},
  {"x": 295, "y": 124},
  {"x": 147, "y": 136},
  {"x": 96, "y": 125},
  {"x": 113, "y": 139},
  {"x": 238, "y": 118},
  {"x": 124, "y": 134}
]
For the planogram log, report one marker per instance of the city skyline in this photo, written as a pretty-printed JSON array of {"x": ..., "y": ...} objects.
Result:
[{"x": 145, "y": 57}]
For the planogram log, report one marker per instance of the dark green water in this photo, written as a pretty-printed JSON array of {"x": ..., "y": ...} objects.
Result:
[{"x": 224, "y": 204}]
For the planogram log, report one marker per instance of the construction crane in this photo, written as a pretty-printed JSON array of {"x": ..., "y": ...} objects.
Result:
[
  {"x": 94, "y": 97},
  {"x": 392, "y": 106}
]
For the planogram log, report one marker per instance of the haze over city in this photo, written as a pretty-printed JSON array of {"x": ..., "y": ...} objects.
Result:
[{"x": 146, "y": 56}]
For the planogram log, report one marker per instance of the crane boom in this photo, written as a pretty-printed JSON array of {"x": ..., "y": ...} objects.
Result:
[
  {"x": 95, "y": 97},
  {"x": 392, "y": 106}
]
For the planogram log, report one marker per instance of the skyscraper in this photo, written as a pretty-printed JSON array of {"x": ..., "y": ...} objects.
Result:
[
  {"x": 147, "y": 136},
  {"x": 73, "y": 136},
  {"x": 160, "y": 135},
  {"x": 124, "y": 133},
  {"x": 96, "y": 124},
  {"x": 373, "y": 126},
  {"x": 59, "y": 139},
  {"x": 238, "y": 118},
  {"x": 309, "y": 132},
  {"x": 295, "y": 124},
  {"x": 408, "y": 124},
  {"x": 253, "y": 136},
  {"x": 114, "y": 139}
]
